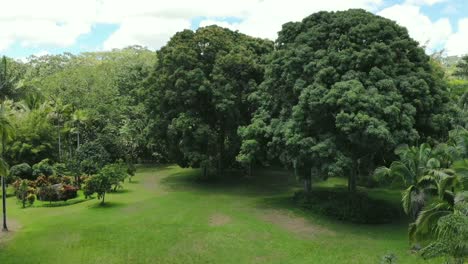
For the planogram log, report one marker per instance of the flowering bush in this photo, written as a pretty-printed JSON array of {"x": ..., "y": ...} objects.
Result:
[
  {"x": 67, "y": 180},
  {"x": 42, "y": 181},
  {"x": 67, "y": 192},
  {"x": 48, "y": 193}
]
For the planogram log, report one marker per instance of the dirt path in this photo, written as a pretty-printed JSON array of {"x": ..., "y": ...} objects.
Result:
[
  {"x": 294, "y": 224},
  {"x": 218, "y": 219},
  {"x": 13, "y": 227}
]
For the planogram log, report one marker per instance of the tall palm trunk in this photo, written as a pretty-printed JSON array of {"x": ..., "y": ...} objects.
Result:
[
  {"x": 5, "y": 228},
  {"x": 59, "y": 144}
]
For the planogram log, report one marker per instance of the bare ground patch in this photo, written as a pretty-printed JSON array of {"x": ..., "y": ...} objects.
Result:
[
  {"x": 219, "y": 219},
  {"x": 151, "y": 182},
  {"x": 295, "y": 224},
  {"x": 13, "y": 227}
]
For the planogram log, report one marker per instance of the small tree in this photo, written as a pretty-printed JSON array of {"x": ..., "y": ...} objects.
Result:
[
  {"x": 100, "y": 183},
  {"x": 131, "y": 169},
  {"x": 117, "y": 173},
  {"x": 22, "y": 192}
]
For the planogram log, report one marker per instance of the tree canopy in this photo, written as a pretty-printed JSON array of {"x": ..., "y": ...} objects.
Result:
[
  {"x": 198, "y": 94},
  {"x": 341, "y": 91}
]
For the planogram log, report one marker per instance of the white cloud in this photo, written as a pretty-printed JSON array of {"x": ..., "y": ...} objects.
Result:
[
  {"x": 424, "y": 2},
  {"x": 146, "y": 31},
  {"x": 41, "y": 53},
  {"x": 45, "y": 22},
  {"x": 420, "y": 27},
  {"x": 265, "y": 18},
  {"x": 151, "y": 23},
  {"x": 457, "y": 42}
]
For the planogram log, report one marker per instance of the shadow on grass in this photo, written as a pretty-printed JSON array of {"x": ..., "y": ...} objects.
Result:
[
  {"x": 337, "y": 204},
  {"x": 141, "y": 168},
  {"x": 106, "y": 205},
  {"x": 275, "y": 188},
  {"x": 121, "y": 191},
  {"x": 133, "y": 181},
  {"x": 261, "y": 183},
  {"x": 63, "y": 203}
]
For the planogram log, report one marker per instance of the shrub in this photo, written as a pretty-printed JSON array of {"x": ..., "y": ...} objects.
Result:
[
  {"x": 48, "y": 193},
  {"x": 67, "y": 192},
  {"x": 31, "y": 199},
  {"x": 89, "y": 187},
  {"x": 389, "y": 258},
  {"x": 22, "y": 192},
  {"x": 41, "y": 181},
  {"x": 131, "y": 169},
  {"x": 342, "y": 205},
  {"x": 23, "y": 171},
  {"x": 42, "y": 168}
]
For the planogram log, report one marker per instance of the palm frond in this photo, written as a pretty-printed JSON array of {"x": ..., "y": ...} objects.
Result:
[
  {"x": 449, "y": 182},
  {"x": 399, "y": 169},
  {"x": 433, "y": 163},
  {"x": 382, "y": 173},
  {"x": 428, "y": 181},
  {"x": 3, "y": 167},
  {"x": 426, "y": 222}
]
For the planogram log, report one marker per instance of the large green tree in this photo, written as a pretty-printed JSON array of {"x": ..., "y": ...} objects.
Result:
[
  {"x": 341, "y": 90},
  {"x": 198, "y": 94},
  {"x": 461, "y": 70}
]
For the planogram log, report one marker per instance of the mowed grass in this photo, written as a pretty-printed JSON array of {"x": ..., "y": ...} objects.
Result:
[{"x": 167, "y": 216}]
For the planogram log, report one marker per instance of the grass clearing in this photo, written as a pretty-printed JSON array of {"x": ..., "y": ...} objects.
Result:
[{"x": 167, "y": 216}]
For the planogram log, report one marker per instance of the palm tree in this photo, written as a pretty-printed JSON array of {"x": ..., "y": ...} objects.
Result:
[
  {"x": 449, "y": 194},
  {"x": 419, "y": 171},
  {"x": 79, "y": 117},
  {"x": 59, "y": 113},
  {"x": 7, "y": 83},
  {"x": 6, "y": 131}
]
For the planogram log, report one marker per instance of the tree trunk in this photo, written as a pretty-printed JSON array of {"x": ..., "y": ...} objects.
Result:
[
  {"x": 103, "y": 196},
  {"x": 59, "y": 144},
  {"x": 5, "y": 228},
  {"x": 308, "y": 181},
  {"x": 221, "y": 151},
  {"x": 352, "y": 180},
  {"x": 70, "y": 152},
  {"x": 295, "y": 168}
]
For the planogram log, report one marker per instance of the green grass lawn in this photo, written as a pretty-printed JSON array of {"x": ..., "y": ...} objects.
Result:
[{"x": 167, "y": 216}]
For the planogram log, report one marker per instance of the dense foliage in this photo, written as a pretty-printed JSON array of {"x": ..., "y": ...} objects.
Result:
[
  {"x": 198, "y": 94},
  {"x": 342, "y": 90}
]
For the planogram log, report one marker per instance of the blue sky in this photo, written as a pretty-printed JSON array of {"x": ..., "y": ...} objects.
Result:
[{"x": 91, "y": 25}]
